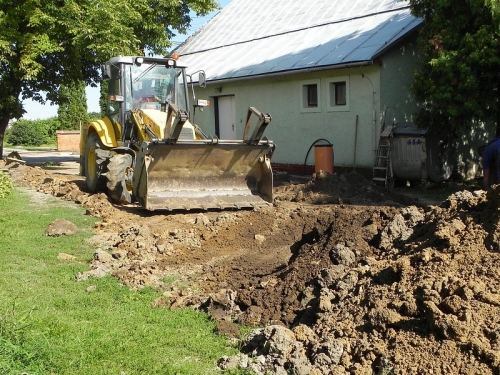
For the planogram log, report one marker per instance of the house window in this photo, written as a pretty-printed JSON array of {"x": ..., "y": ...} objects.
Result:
[
  {"x": 310, "y": 96},
  {"x": 338, "y": 94},
  {"x": 339, "y": 90}
]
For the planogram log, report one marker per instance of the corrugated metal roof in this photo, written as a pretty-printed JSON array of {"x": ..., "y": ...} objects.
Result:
[{"x": 256, "y": 37}]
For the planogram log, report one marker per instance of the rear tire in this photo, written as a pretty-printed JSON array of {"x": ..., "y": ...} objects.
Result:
[
  {"x": 118, "y": 167},
  {"x": 93, "y": 164}
]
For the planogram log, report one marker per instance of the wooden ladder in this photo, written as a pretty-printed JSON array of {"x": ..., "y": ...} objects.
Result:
[{"x": 382, "y": 166}]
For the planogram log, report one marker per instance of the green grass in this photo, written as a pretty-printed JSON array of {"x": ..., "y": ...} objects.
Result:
[{"x": 52, "y": 324}]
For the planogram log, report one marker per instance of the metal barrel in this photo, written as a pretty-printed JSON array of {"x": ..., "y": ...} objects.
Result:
[{"x": 199, "y": 175}]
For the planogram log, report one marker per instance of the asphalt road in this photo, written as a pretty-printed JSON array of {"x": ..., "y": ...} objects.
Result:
[{"x": 65, "y": 162}]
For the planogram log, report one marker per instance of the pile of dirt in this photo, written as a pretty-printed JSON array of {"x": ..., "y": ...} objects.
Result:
[
  {"x": 416, "y": 294},
  {"x": 327, "y": 188},
  {"x": 364, "y": 283}
]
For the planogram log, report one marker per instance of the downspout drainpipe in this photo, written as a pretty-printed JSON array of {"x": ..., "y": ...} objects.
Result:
[
  {"x": 374, "y": 121},
  {"x": 355, "y": 143}
]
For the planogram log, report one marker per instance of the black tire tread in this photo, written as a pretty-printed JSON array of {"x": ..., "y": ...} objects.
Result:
[
  {"x": 97, "y": 182},
  {"x": 115, "y": 175}
]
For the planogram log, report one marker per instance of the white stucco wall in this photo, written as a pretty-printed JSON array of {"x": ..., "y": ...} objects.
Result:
[
  {"x": 396, "y": 75},
  {"x": 378, "y": 93},
  {"x": 293, "y": 131},
  {"x": 374, "y": 90}
]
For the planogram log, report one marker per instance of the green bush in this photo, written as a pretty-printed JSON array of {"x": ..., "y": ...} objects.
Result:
[
  {"x": 23, "y": 132},
  {"x": 5, "y": 185},
  {"x": 33, "y": 132},
  {"x": 94, "y": 116},
  {"x": 51, "y": 125}
]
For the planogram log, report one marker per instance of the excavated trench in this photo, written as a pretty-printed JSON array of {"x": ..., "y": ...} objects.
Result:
[{"x": 338, "y": 277}]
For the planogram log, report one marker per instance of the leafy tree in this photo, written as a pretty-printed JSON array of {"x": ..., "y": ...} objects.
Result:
[
  {"x": 103, "y": 97},
  {"x": 49, "y": 44},
  {"x": 495, "y": 9},
  {"x": 458, "y": 77},
  {"x": 72, "y": 105}
]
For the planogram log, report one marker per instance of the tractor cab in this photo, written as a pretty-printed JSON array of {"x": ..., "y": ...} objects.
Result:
[{"x": 142, "y": 83}]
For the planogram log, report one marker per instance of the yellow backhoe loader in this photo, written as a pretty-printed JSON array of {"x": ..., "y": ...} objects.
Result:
[{"x": 146, "y": 149}]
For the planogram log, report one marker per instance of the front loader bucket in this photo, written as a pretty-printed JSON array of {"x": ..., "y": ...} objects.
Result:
[{"x": 199, "y": 175}]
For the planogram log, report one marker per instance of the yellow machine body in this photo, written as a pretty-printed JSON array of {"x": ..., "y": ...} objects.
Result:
[{"x": 173, "y": 165}]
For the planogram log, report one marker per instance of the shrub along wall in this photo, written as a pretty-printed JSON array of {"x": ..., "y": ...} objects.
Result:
[
  {"x": 39, "y": 132},
  {"x": 33, "y": 132}
]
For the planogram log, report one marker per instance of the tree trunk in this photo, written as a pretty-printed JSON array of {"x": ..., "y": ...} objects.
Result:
[{"x": 4, "y": 122}]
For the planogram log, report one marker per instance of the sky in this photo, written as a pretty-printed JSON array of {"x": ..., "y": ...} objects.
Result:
[{"x": 35, "y": 110}]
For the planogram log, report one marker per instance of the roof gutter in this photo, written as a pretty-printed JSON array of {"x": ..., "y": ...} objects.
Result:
[{"x": 284, "y": 73}]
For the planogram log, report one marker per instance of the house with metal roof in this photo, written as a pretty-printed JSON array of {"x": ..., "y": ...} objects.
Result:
[{"x": 326, "y": 71}]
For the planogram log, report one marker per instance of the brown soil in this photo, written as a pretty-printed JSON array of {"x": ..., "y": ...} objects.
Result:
[{"x": 360, "y": 281}]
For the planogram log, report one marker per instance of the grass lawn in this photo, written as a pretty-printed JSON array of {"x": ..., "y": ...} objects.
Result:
[{"x": 52, "y": 324}]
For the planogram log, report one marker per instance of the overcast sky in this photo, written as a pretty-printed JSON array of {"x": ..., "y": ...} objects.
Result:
[{"x": 36, "y": 110}]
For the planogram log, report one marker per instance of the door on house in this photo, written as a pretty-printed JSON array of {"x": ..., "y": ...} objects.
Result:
[{"x": 226, "y": 117}]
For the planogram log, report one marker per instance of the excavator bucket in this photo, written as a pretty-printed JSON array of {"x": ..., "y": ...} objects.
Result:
[{"x": 203, "y": 175}]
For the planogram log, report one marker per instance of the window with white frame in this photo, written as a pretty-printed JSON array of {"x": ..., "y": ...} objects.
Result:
[
  {"x": 338, "y": 94},
  {"x": 310, "y": 98}
]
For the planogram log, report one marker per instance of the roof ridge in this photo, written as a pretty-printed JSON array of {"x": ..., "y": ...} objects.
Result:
[{"x": 290, "y": 31}]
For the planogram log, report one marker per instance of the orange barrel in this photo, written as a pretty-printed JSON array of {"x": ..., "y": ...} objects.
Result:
[{"x": 323, "y": 158}]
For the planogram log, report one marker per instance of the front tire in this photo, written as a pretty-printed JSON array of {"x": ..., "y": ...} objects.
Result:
[
  {"x": 93, "y": 163},
  {"x": 119, "y": 167}
]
